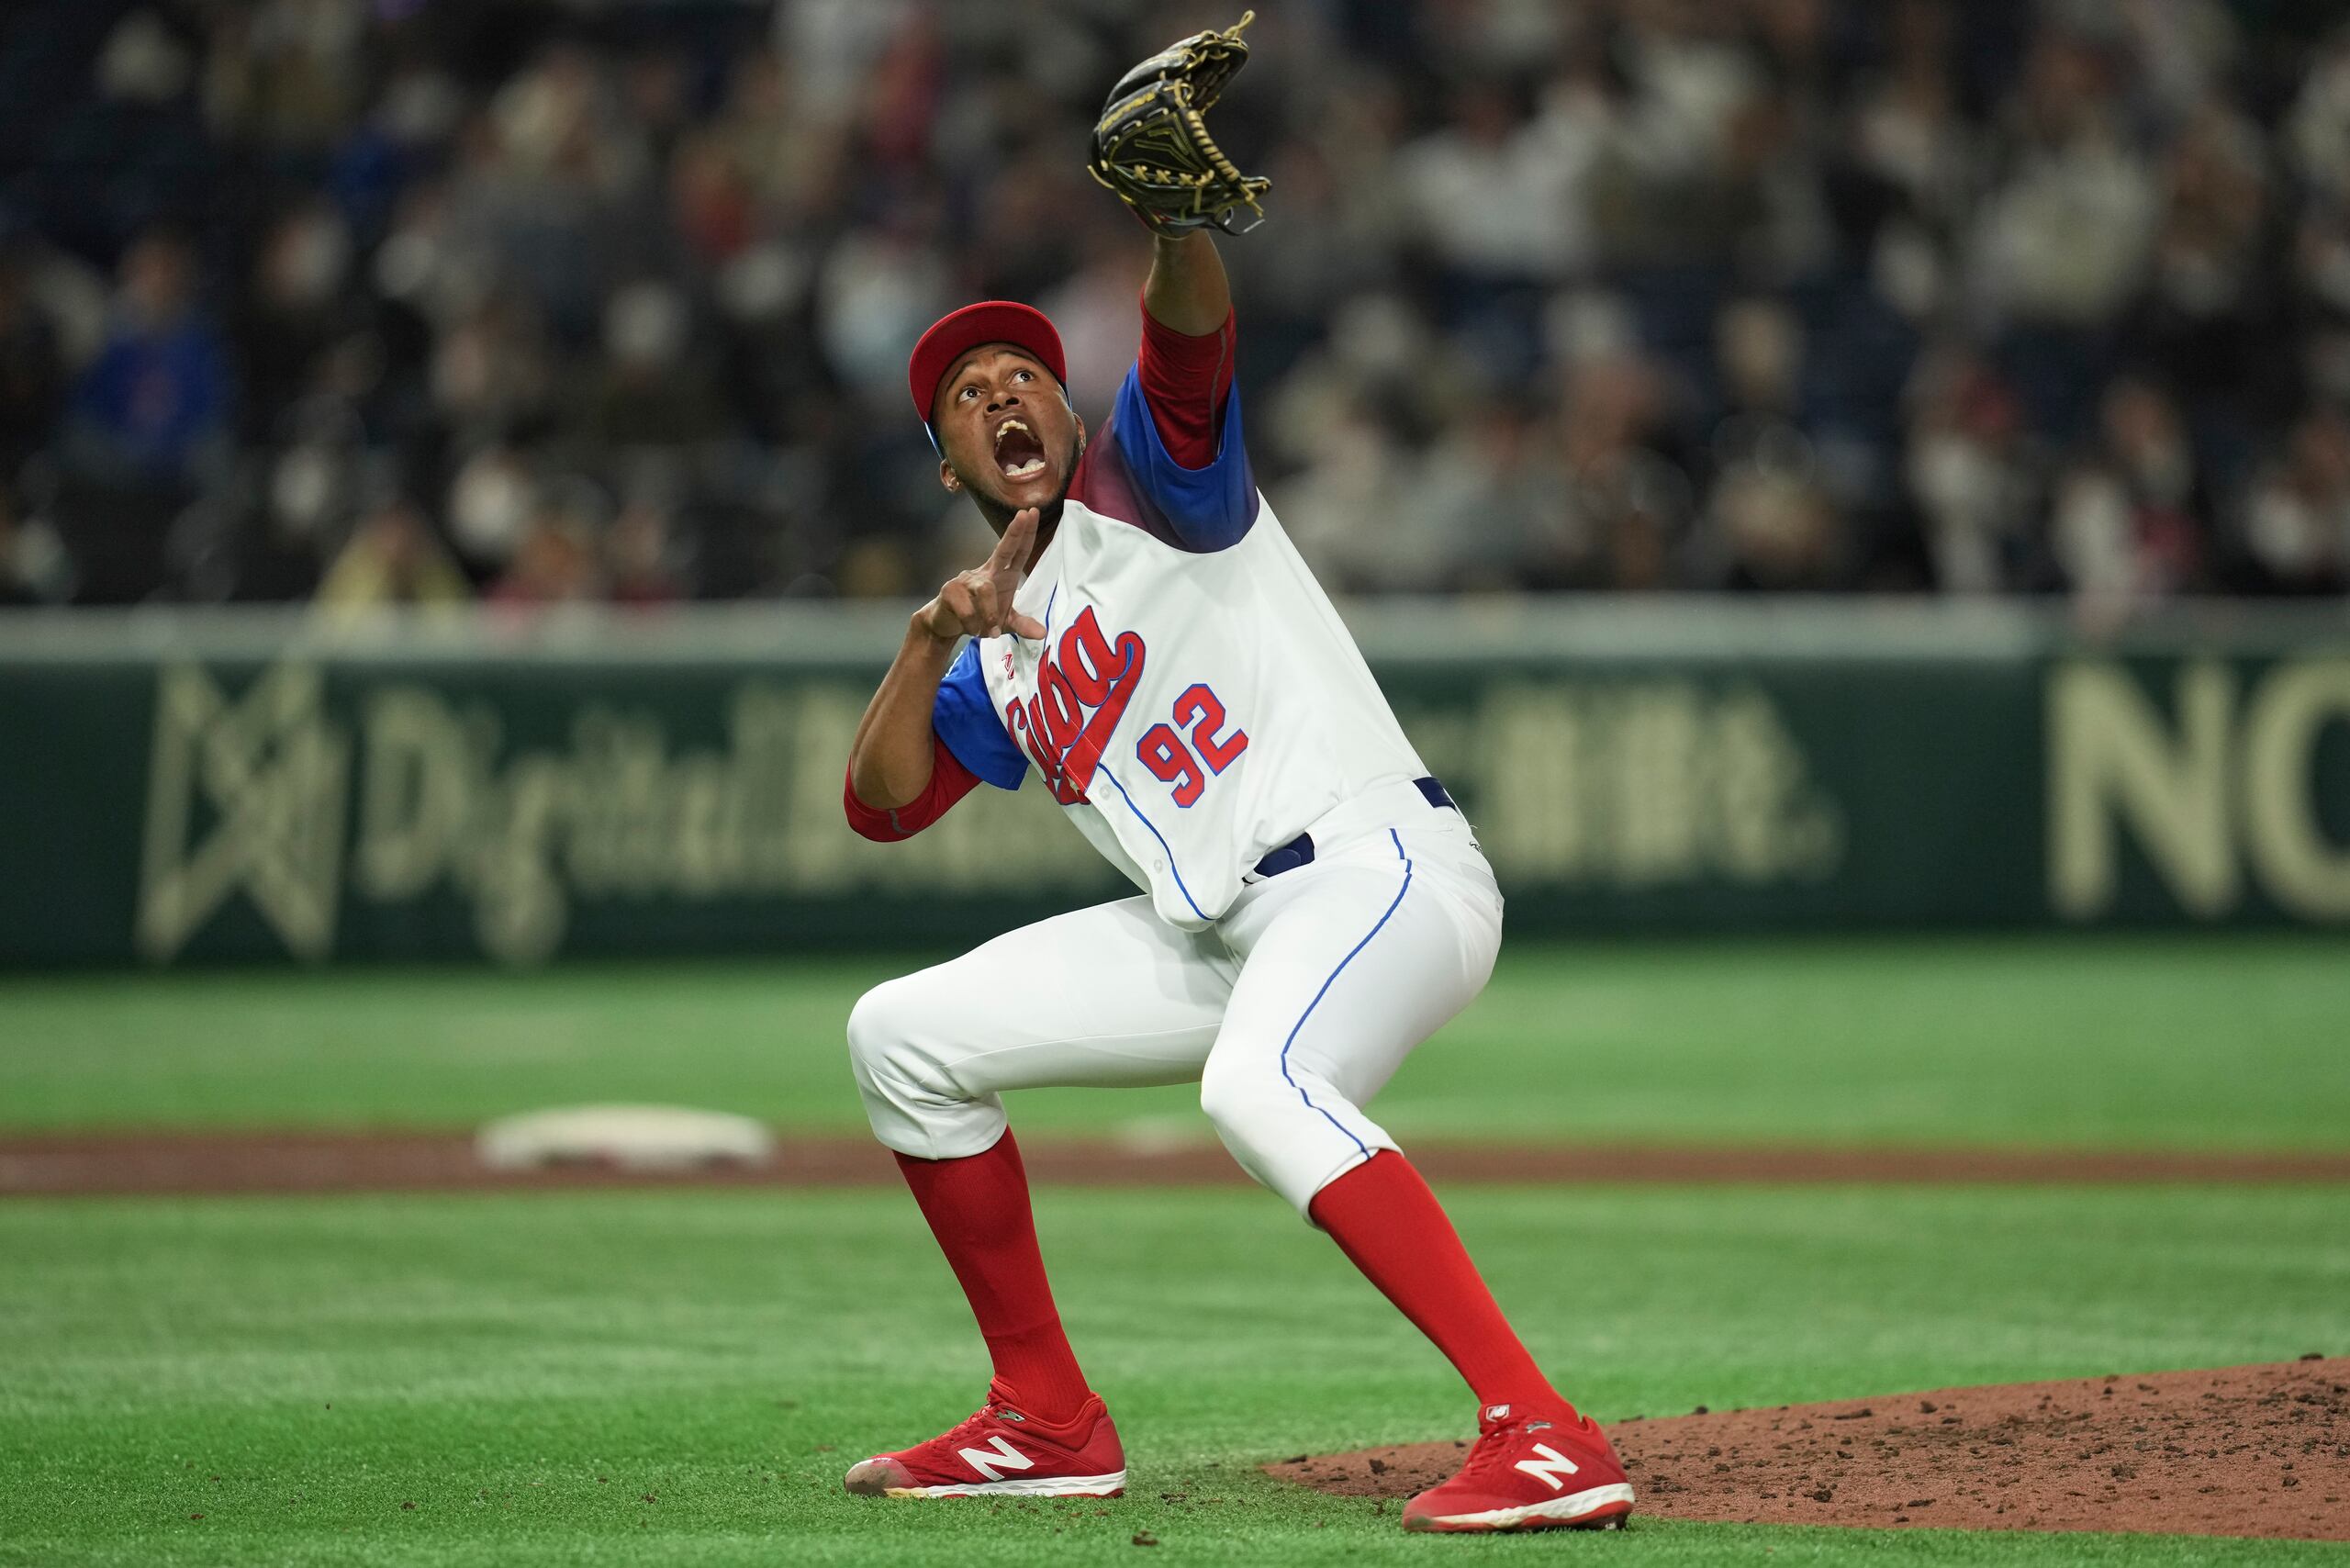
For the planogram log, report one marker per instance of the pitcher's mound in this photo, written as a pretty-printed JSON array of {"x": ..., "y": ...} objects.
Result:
[{"x": 2260, "y": 1451}]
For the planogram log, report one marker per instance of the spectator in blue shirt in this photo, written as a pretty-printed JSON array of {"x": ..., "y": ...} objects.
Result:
[{"x": 151, "y": 410}]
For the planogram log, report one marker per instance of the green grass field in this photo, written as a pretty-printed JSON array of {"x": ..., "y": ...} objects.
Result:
[
  {"x": 2228, "y": 1043},
  {"x": 679, "y": 1377}
]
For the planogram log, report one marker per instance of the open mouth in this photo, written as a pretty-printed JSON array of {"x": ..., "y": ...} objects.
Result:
[{"x": 1018, "y": 453}]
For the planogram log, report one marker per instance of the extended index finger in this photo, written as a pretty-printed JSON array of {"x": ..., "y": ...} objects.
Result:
[{"x": 1012, "y": 549}]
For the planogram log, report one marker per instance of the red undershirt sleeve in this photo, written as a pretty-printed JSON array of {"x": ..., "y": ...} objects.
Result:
[
  {"x": 949, "y": 782},
  {"x": 1184, "y": 379}
]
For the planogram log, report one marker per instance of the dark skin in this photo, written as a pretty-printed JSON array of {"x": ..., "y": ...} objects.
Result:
[
  {"x": 995, "y": 405},
  {"x": 1018, "y": 479}
]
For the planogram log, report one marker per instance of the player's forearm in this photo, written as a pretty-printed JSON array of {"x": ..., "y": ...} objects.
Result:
[
  {"x": 890, "y": 761},
  {"x": 1187, "y": 289}
]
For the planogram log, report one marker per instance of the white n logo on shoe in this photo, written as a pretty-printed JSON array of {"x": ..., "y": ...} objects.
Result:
[
  {"x": 1547, "y": 1469},
  {"x": 993, "y": 1461}
]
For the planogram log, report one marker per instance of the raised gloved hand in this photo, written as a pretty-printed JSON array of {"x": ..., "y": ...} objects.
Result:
[{"x": 1151, "y": 146}]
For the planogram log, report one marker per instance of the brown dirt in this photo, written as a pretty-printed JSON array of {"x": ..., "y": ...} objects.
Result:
[
  {"x": 2261, "y": 1450},
  {"x": 2258, "y": 1450},
  {"x": 180, "y": 1162}
]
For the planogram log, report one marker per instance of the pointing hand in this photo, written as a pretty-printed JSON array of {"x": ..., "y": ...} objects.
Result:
[{"x": 978, "y": 603}]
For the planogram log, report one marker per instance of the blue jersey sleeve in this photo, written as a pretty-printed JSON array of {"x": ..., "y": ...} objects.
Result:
[
  {"x": 1205, "y": 508},
  {"x": 966, "y": 720}
]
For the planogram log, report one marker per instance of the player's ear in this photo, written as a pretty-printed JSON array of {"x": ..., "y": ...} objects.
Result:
[{"x": 946, "y": 476}]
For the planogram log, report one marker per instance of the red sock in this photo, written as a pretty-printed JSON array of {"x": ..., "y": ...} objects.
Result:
[
  {"x": 979, "y": 1210},
  {"x": 1391, "y": 1226}
]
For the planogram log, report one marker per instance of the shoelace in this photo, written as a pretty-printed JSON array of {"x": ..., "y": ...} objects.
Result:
[
  {"x": 968, "y": 1424},
  {"x": 1493, "y": 1447}
]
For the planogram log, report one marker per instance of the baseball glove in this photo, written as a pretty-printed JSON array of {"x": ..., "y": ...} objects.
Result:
[{"x": 1152, "y": 149}]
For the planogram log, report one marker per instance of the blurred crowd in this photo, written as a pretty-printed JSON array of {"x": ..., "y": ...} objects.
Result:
[{"x": 433, "y": 301}]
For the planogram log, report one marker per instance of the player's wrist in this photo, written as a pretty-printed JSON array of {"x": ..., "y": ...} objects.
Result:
[{"x": 933, "y": 628}]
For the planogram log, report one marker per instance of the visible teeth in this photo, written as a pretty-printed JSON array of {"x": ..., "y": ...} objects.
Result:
[
  {"x": 1006, "y": 428},
  {"x": 1029, "y": 470}
]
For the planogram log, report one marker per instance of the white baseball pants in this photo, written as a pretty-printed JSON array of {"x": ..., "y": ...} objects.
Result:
[{"x": 1290, "y": 1012}]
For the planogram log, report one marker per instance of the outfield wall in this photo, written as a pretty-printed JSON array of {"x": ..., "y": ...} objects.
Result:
[{"x": 184, "y": 787}]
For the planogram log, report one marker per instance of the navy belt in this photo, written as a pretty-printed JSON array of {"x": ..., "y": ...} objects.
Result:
[{"x": 1299, "y": 851}]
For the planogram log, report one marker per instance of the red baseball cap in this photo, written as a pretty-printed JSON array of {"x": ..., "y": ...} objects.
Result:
[{"x": 990, "y": 322}]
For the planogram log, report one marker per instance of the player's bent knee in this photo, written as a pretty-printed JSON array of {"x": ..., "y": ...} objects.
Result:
[
  {"x": 1227, "y": 1098},
  {"x": 879, "y": 1026},
  {"x": 1272, "y": 1121},
  {"x": 867, "y": 1028},
  {"x": 1249, "y": 1106},
  {"x": 915, "y": 1104},
  {"x": 894, "y": 1047}
]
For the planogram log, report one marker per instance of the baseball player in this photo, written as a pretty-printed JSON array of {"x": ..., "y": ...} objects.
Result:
[{"x": 1145, "y": 640}]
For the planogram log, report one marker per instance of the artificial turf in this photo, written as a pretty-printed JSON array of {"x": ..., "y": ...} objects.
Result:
[
  {"x": 2194, "y": 1041},
  {"x": 681, "y": 1378}
]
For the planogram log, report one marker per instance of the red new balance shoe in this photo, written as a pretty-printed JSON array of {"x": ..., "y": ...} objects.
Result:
[
  {"x": 1528, "y": 1471},
  {"x": 998, "y": 1450}
]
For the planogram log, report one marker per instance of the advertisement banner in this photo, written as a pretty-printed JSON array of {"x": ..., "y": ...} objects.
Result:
[{"x": 313, "y": 803}]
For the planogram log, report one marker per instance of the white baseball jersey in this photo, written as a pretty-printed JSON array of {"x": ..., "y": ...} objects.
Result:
[{"x": 1196, "y": 701}]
